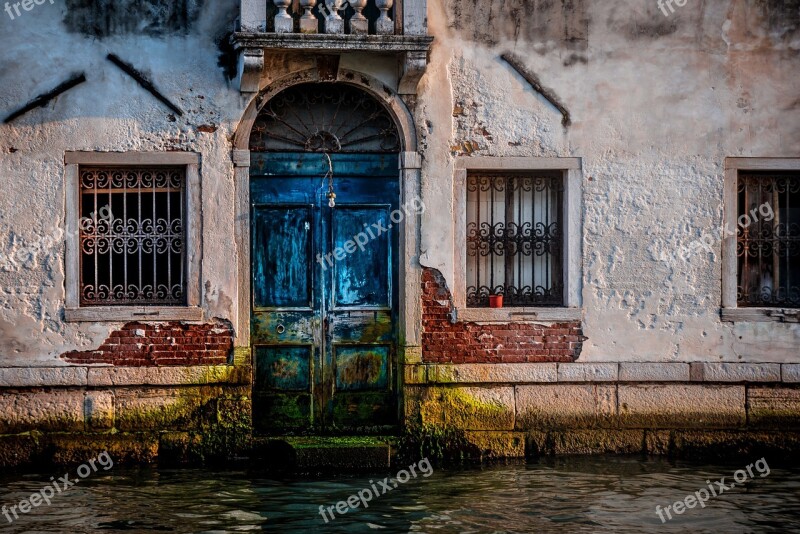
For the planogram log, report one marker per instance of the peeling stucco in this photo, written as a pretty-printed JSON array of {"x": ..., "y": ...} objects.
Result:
[
  {"x": 657, "y": 103},
  {"x": 111, "y": 112}
]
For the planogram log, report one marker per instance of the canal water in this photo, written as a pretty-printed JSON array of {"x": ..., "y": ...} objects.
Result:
[{"x": 577, "y": 494}]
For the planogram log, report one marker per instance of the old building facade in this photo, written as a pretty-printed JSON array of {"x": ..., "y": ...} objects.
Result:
[{"x": 297, "y": 216}]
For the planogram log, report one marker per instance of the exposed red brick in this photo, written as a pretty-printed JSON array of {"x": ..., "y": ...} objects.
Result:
[
  {"x": 162, "y": 344},
  {"x": 463, "y": 342}
]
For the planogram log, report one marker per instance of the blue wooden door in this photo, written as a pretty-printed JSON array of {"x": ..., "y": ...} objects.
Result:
[{"x": 324, "y": 292}]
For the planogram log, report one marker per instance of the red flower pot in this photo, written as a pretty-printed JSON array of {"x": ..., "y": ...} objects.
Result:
[{"x": 495, "y": 301}]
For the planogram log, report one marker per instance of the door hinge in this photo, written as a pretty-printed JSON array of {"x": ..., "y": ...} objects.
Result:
[{"x": 785, "y": 316}]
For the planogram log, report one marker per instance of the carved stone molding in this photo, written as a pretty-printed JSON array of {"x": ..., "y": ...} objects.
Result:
[
  {"x": 414, "y": 64},
  {"x": 240, "y": 157},
  {"x": 251, "y": 63}
]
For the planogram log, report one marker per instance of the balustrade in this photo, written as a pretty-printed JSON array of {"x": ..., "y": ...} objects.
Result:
[{"x": 354, "y": 17}]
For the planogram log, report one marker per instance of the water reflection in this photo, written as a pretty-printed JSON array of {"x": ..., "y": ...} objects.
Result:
[{"x": 592, "y": 494}]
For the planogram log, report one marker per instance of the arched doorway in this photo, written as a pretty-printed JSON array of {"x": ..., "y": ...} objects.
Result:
[{"x": 324, "y": 195}]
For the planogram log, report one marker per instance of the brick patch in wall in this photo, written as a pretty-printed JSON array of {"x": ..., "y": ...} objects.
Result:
[
  {"x": 467, "y": 342},
  {"x": 161, "y": 344}
]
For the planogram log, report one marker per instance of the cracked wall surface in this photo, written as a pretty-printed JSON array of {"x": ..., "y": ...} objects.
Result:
[
  {"x": 109, "y": 112},
  {"x": 656, "y": 104}
]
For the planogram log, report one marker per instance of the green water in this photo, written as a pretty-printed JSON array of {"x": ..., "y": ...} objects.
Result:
[{"x": 583, "y": 494}]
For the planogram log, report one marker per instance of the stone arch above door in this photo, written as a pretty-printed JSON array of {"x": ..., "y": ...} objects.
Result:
[
  {"x": 391, "y": 101},
  {"x": 324, "y": 117}
]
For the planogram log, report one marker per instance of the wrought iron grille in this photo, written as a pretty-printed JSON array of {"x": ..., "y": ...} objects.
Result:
[
  {"x": 324, "y": 117},
  {"x": 514, "y": 238},
  {"x": 132, "y": 236},
  {"x": 768, "y": 240}
]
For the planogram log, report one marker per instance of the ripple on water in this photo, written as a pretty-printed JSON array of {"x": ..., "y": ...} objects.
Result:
[{"x": 592, "y": 494}]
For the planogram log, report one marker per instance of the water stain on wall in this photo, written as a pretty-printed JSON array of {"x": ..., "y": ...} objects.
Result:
[
  {"x": 102, "y": 18},
  {"x": 565, "y": 22},
  {"x": 643, "y": 20},
  {"x": 782, "y": 16},
  {"x": 772, "y": 22}
]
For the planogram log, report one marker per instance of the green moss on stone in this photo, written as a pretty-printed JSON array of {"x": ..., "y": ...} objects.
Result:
[
  {"x": 456, "y": 407},
  {"x": 438, "y": 443}
]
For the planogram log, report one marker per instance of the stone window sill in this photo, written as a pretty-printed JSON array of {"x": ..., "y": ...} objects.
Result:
[
  {"x": 780, "y": 315},
  {"x": 133, "y": 313},
  {"x": 507, "y": 315}
]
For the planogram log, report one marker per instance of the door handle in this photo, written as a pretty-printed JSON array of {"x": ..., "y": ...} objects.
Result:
[{"x": 280, "y": 329}]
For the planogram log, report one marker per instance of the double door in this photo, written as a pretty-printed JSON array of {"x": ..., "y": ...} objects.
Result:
[{"x": 324, "y": 296}]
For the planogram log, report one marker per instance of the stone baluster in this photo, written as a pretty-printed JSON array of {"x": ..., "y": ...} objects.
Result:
[
  {"x": 359, "y": 25},
  {"x": 333, "y": 22},
  {"x": 308, "y": 22},
  {"x": 283, "y": 20},
  {"x": 384, "y": 25},
  {"x": 253, "y": 15}
]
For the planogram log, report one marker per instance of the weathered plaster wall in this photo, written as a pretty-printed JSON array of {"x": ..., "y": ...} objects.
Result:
[
  {"x": 657, "y": 103},
  {"x": 180, "y": 47},
  {"x": 109, "y": 112}
]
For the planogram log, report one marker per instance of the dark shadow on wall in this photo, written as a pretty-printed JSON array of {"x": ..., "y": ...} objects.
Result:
[
  {"x": 102, "y": 18},
  {"x": 782, "y": 17},
  {"x": 158, "y": 18},
  {"x": 565, "y": 22}
]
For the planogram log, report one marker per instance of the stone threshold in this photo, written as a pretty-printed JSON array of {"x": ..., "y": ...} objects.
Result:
[
  {"x": 323, "y": 453},
  {"x": 93, "y": 376},
  {"x": 531, "y": 373}
]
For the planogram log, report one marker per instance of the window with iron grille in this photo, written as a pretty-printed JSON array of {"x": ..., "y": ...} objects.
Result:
[
  {"x": 515, "y": 238},
  {"x": 132, "y": 236},
  {"x": 768, "y": 239}
]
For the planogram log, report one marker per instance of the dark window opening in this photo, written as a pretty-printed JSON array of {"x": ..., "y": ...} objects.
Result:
[
  {"x": 132, "y": 236},
  {"x": 768, "y": 239},
  {"x": 515, "y": 238}
]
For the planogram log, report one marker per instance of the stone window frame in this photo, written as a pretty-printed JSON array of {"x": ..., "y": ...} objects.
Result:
[
  {"x": 73, "y": 311},
  {"x": 730, "y": 311},
  {"x": 573, "y": 238}
]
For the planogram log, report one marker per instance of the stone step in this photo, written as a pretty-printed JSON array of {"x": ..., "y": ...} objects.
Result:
[{"x": 322, "y": 453}]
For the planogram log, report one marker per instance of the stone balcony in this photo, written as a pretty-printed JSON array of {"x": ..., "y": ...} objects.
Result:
[
  {"x": 387, "y": 27},
  {"x": 331, "y": 17}
]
